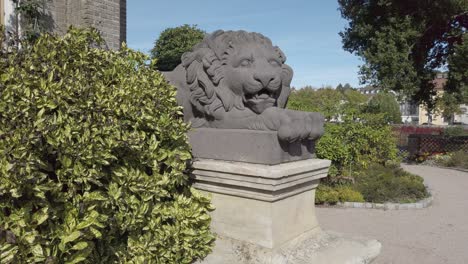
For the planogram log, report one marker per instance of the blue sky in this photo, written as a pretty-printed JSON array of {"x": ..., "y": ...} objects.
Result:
[{"x": 306, "y": 31}]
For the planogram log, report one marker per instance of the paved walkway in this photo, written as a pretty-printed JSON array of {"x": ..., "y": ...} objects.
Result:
[{"x": 437, "y": 234}]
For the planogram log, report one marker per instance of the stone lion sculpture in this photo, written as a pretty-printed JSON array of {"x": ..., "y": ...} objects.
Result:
[{"x": 239, "y": 80}]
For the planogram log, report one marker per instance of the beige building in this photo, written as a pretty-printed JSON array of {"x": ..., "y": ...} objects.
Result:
[
  {"x": 437, "y": 119},
  {"x": 417, "y": 114},
  {"x": 108, "y": 16}
]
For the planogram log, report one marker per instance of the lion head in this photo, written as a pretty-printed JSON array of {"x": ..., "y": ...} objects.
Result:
[{"x": 236, "y": 69}]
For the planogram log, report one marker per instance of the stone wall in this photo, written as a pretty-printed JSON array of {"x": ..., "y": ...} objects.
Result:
[{"x": 108, "y": 16}]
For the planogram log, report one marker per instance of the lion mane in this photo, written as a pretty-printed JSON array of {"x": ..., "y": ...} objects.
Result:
[{"x": 204, "y": 72}]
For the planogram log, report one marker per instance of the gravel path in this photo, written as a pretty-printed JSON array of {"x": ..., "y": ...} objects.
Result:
[{"x": 437, "y": 234}]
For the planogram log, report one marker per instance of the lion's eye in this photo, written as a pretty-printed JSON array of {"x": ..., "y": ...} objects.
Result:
[
  {"x": 245, "y": 62},
  {"x": 274, "y": 63}
]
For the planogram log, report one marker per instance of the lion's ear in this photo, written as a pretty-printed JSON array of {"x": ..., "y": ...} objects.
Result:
[{"x": 286, "y": 78}]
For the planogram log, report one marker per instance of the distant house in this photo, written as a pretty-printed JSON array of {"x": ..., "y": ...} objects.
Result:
[
  {"x": 414, "y": 113},
  {"x": 462, "y": 117},
  {"x": 108, "y": 16},
  {"x": 437, "y": 119}
]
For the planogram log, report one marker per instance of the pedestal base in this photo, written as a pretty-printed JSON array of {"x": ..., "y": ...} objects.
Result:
[
  {"x": 314, "y": 247},
  {"x": 267, "y": 205},
  {"x": 265, "y": 214}
]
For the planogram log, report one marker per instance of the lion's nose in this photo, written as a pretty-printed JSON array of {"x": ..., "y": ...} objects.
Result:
[{"x": 263, "y": 78}]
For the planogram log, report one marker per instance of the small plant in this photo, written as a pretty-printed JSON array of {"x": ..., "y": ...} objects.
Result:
[
  {"x": 333, "y": 194},
  {"x": 454, "y": 159}
]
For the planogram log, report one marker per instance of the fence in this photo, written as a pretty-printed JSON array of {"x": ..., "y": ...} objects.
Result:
[
  {"x": 430, "y": 144},
  {"x": 414, "y": 140}
]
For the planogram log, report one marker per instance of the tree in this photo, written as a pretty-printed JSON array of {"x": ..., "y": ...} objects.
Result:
[
  {"x": 386, "y": 104},
  {"x": 327, "y": 101},
  {"x": 172, "y": 43},
  {"x": 457, "y": 86},
  {"x": 339, "y": 87},
  {"x": 30, "y": 20},
  {"x": 354, "y": 102},
  {"x": 403, "y": 42}
]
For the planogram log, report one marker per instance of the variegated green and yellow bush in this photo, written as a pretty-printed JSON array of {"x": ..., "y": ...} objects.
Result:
[{"x": 92, "y": 157}]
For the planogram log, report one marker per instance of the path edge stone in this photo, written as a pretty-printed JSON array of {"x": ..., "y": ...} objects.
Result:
[{"x": 421, "y": 204}]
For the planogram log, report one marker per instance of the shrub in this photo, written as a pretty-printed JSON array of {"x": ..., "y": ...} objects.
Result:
[
  {"x": 454, "y": 159},
  {"x": 455, "y": 131},
  {"x": 331, "y": 195},
  {"x": 390, "y": 184},
  {"x": 92, "y": 155},
  {"x": 353, "y": 145}
]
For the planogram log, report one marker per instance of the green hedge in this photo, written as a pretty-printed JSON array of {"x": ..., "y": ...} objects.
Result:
[
  {"x": 377, "y": 184},
  {"x": 380, "y": 184},
  {"x": 92, "y": 155}
]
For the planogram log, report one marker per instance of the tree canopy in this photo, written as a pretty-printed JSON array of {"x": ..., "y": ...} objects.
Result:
[
  {"x": 403, "y": 42},
  {"x": 172, "y": 43},
  {"x": 332, "y": 103},
  {"x": 386, "y": 104}
]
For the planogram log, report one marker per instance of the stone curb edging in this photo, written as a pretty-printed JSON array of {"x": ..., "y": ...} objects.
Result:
[
  {"x": 389, "y": 206},
  {"x": 386, "y": 206}
]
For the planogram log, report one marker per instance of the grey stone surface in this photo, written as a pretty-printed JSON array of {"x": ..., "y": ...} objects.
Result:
[
  {"x": 239, "y": 80},
  {"x": 251, "y": 146},
  {"x": 266, "y": 205},
  {"x": 312, "y": 247},
  {"x": 108, "y": 16},
  {"x": 258, "y": 181}
]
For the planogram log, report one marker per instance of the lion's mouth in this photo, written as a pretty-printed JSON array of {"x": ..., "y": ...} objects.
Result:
[
  {"x": 262, "y": 95},
  {"x": 260, "y": 101}
]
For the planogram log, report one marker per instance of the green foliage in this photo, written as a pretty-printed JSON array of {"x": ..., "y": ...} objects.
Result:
[
  {"x": 325, "y": 100},
  {"x": 353, "y": 145},
  {"x": 354, "y": 103},
  {"x": 92, "y": 157},
  {"x": 331, "y": 195},
  {"x": 332, "y": 103},
  {"x": 402, "y": 43},
  {"x": 172, "y": 43},
  {"x": 32, "y": 20},
  {"x": 457, "y": 87},
  {"x": 455, "y": 131},
  {"x": 458, "y": 159},
  {"x": 381, "y": 183},
  {"x": 386, "y": 104}
]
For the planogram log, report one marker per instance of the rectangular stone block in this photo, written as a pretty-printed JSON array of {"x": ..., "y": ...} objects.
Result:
[
  {"x": 252, "y": 146},
  {"x": 267, "y": 205}
]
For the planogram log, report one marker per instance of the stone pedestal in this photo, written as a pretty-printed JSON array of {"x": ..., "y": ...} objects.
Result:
[
  {"x": 261, "y": 204},
  {"x": 265, "y": 214}
]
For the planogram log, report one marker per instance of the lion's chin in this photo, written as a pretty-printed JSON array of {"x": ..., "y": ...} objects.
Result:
[{"x": 259, "y": 105}]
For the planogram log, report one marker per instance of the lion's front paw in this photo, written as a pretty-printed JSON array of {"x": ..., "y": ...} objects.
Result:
[{"x": 297, "y": 125}]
